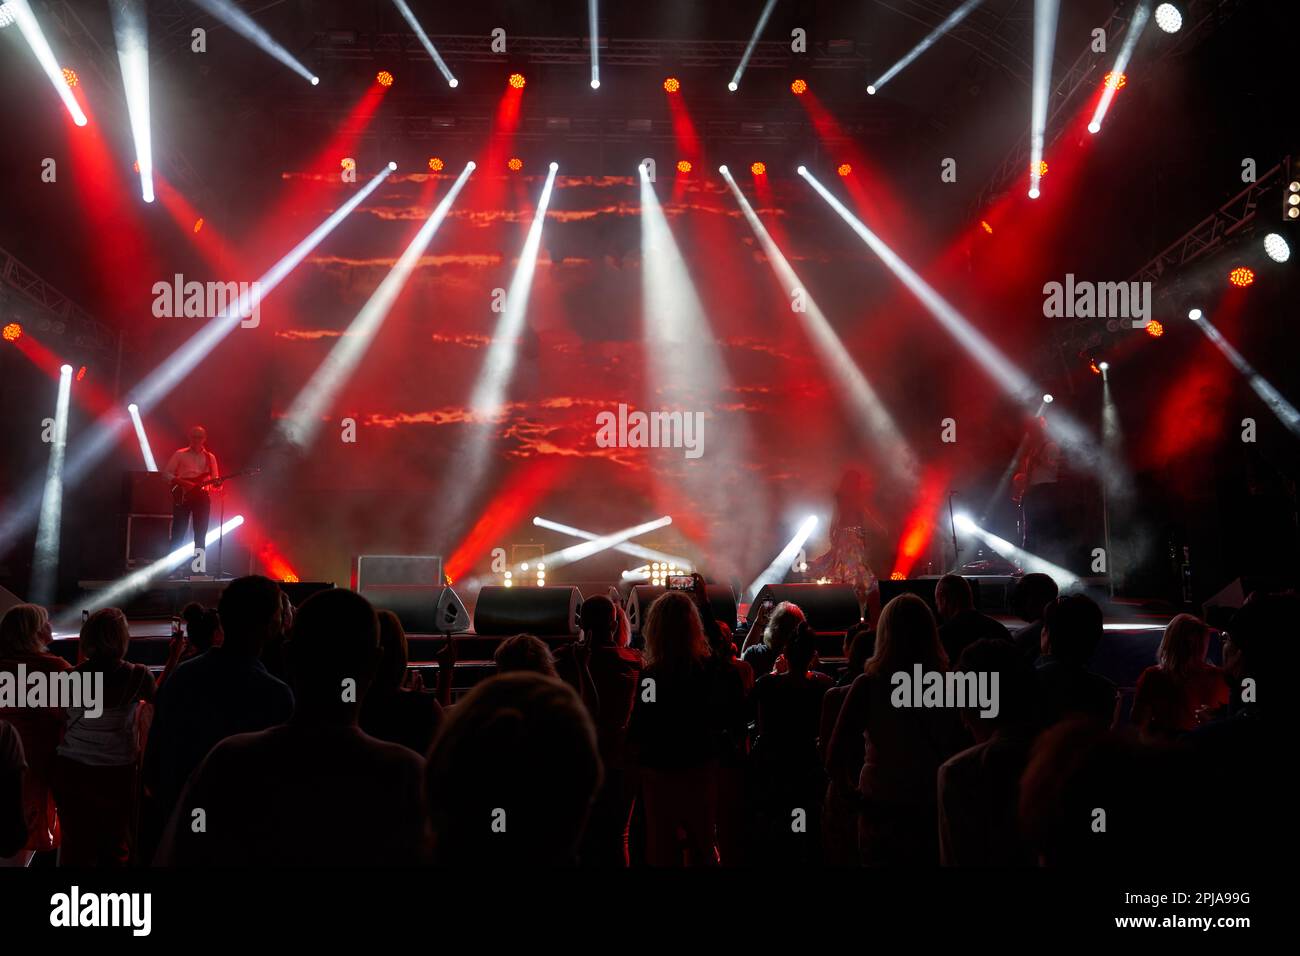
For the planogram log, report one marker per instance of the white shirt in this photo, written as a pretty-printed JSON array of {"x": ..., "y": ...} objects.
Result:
[{"x": 185, "y": 463}]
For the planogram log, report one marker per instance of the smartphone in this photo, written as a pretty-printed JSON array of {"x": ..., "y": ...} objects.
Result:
[{"x": 679, "y": 582}]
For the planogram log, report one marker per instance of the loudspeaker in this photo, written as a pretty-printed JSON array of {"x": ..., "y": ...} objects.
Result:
[
  {"x": 924, "y": 588},
  {"x": 146, "y": 493},
  {"x": 721, "y": 598},
  {"x": 7, "y": 600},
  {"x": 545, "y": 612},
  {"x": 300, "y": 591},
  {"x": 827, "y": 607},
  {"x": 410, "y": 569},
  {"x": 422, "y": 610}
]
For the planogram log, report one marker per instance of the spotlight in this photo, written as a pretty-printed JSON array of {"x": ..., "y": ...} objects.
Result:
[
  {"x": 1103, "y": 366},
  {"x": 524, "y": 566},
  {"x": 1047, "y": 399},
  {"x": 1042, "y": 168},
  {"x": 1116, "y": 81},
  {"x": 347, "y": 163},
  {"x": 723, "y": 169},
  {"x": 1034, "y": 193},
  {"x": 517, "y": 80},
  {"x": 515, "y": 164},
  {"x": 198, "y": 224},
  {"x": 435, "y": 164},
  {"x": 471, "y": 165},
  {"x": 801, "y": 170},
  {"x": 1094, "y": 127},
  {"x": 871, "y": 90},
  {"x": 595, "y": 84},
  {"x": 844, "y": 169},
  {"x": 65, "y": 369},
  {"x": 1169, "y": 18},
  {"x": 1195, "y": 315},
  {"x": 392, "y": 165},
  {"x": 70, "y": 77},
  {"x": 799, "y": 87},
  {"x": 897, "y": 576},
  {"x": 1155, "y": 329},
  {"x": 1291, "y": 200},
  {"x": 453, "y": 82},
  {"x": 672, "y": 85},
  {"x": 554, "y": 167},
  {"x": 1276, "y": 247},
  {"x": 81, "y": 374},
  {"x": 12, "y": 332},
  {"x": 758, "y": 169},
  {"x": 315, "y": 81},
  {"x": 984, "y": 224},
  {"x": 384, "y": 78},
  {"x": 1241, "y": 277},
  {"x": 683, "y": 165},
  {"x": 733, "y": 86}
]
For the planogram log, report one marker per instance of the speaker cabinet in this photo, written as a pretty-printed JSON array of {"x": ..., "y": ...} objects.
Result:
[
  {"x": 146, "y": 493},
  {"x": 827, "y": 607},
  {"x": 721, "y": 598},
  {"x": 545, "y": 611},
  {"x": 409, "y": 569},
  {"x": 422, "y": 610}
]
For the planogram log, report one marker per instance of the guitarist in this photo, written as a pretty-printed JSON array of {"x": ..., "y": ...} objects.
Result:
[{"x": 186, "y": 471}]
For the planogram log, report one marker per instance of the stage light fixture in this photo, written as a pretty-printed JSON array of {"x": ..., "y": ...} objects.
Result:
[
  {"x": 799, "y": 87},
  {"x": 12, "y": 332},
  {"x": 683, "y": 165},
  {"x": 984, "y": 224},
  {"x": 198, "y": 224},
  {"x": 951, "y": 21},
  {"x": 1094, "y": 127},
  {"x": 1047, "y": 399},
  {"x": 1103, "y": 366},
  {"x": 392, "y": 166},
  {"x": 1116, "y": 80},
  {"x": 347, "y": 163},
  {"x": 423, "y": 37},
  {"x": 723, "y": 169},
  {"x": 733, "y": 86},
  {"x": 758, "y": 169},
  {"x": 232, "y": 16},
  {"x": 131, "y": 36},
  {"x": 595, "y": 84},
  {"x": 1195, "y": 315},
  {"x": 70, "y": 77},
  {"x": 315, "y": 81},
  {"x": 843, "y": 169},
  {"x": 146, "y": 450},
  {"x": 453, "y": 82},
  {"x": 1155, "y": 329},
  {"x": 21, "y": 11},
  {"x": 1169, "y": 18},
  {"x": 1276, "y": 247},
  {"x": 81, "y": 373},
  {"x": 435, "y": 164},
  {"x": 871, "y": 89},
  {"x": 384, "y": 78},
  {"x": 801, "y": 170},
  {"x": 672, "y": 84},
  {"x": 1291, "y": 200},
  {"x": 514, "y": 164},
  {"x": 1242, "y": 276},
  {"x": 1046, "y": 13},
  {"x": 553, "y": 167},
  {"x": 517, "y": 80},
  {"x": 1033, "y": 192},
  {"x": 1042, "y": 168},
  {"x": 593, "y": 28},
  {"x": 749, "y": 47}
]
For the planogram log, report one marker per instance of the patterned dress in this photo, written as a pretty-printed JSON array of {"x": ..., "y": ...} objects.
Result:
[{"x": 846, "y": 561}]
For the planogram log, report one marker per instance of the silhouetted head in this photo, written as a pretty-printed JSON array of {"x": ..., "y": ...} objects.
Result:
[
  {"x": 332, "y": 654},
  {"x": 523, "y": 652},
  {"x": 105, "y": 636},
  {"x": 906, "y": 635},
  {"x": 1072, "y": 629},
  {"x": 250, "y": 614},
  {"x": 1031, "y": 595},
  {"x": 202, "y": 626},
  {"x": 512, "y": 774},
  {"x": 599, "y": 619},
  {"x": 952, "y": 595}
]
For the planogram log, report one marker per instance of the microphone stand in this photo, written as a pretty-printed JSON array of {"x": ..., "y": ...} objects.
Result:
[{"x": 952, "y": 527}]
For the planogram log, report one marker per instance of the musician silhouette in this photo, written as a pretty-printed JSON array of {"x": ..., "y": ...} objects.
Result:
[{"x": 191, "y": 471}]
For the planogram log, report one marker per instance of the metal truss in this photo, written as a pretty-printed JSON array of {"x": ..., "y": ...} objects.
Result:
[
  {"x": 31, "y": 287},
  {"x": 458, "y": 49}
]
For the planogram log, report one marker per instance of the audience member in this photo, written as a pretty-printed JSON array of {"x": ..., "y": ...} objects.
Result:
[
  {"x": 96, "y": 774},
  {"x": 1029, "y": 599},
  {"x": 524, "y": 652},
  {"x": 787, "y": 770},
  {"x": 215, "y": 695},
  {"x": 315, "y": 791},
  {"x": 13, "y": 816},
  {"x": 840, "y": 814},
  {"x": 1181, "y": 690},
  {"x": 201, "y": 632},
  {"x": 979, "y": 788},
  {"x": 961, "y": 625},
  {"x": 512, "y": 774},
  {"x": 392, "y": 710},
  {"x": 1071, "y": 632},
  {"x": 24, "y": 638},
  {"x": 886, "y": 758},
  {"x": 781, "y": 624},
  {"x": 681, "y": 726}
]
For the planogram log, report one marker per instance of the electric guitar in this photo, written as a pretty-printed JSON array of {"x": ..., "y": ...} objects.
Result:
[{"x": 182, "y": 488}]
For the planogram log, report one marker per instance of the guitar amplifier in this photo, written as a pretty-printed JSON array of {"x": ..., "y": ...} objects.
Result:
[
  {"x": 412, "y": 570},
  {"x": 146, "y": 493}
]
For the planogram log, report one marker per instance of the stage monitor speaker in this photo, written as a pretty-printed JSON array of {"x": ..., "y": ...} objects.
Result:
[
  {"x": 8, "y": 599},
  {"x": 827, "y": 607},
  {"x": 300, "y": 591},
  {"x": 410, "y": 569},
  {"x": 146, "y": 493},
  {"x": 721, "y": 598},
  {"x": 422, "y": 610},
  {"x": 546, "y": 611}
]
